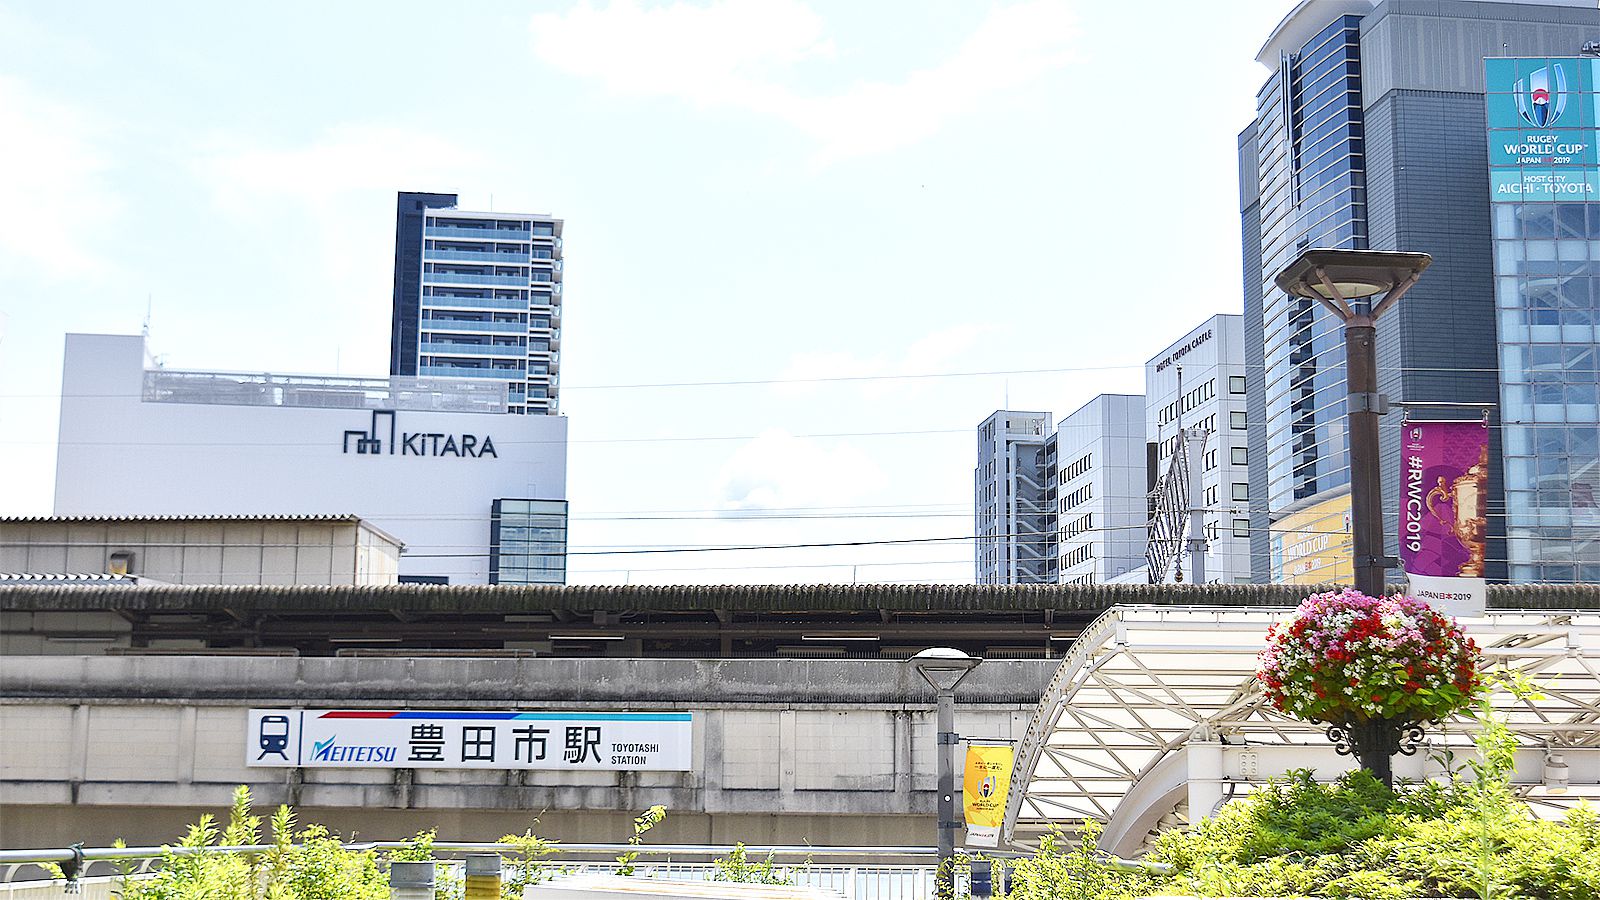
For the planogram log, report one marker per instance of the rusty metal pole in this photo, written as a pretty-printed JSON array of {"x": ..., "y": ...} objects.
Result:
[{"x": 1365, "y": 405}]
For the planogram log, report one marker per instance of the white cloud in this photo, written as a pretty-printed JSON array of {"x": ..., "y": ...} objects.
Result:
[
  {"x": 731, "y": 53},
  {"x": 777, "y": 470},
  {"x": 940, "y": 351},
  {"x": 56, "y": 192},
  {"x": 346, "y": 160}
]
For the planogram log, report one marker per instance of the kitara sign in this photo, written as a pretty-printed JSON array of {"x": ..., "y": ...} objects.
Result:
[
  {"x": 456, "y": 739},
  {"x": 383, "y": 436}
]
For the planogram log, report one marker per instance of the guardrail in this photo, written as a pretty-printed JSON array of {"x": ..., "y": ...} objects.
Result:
[{"x": 875, "y": 877}]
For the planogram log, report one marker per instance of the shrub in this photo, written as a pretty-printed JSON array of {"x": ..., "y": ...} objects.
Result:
[
  {"x": 738, "y": 868},
  {"x": 1060, "y": 871}
]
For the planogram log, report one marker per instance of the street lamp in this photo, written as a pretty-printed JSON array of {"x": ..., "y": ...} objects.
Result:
[
  {"x": 943, "y": 668},
  {"x": 1348, "y": 283}
]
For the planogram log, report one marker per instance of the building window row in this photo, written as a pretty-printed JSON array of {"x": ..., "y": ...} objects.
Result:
[
  {"x": 1077, "y": 555},
  {"x": 1188, "y": 401},
  {"x": 1076, "y": 469},
  {"x": 1077, "y": 497},
  {"x": 1079, "y": 525}
]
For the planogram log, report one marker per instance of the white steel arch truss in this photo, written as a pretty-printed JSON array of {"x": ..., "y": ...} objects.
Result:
[{"x": 1155, "y": 710}]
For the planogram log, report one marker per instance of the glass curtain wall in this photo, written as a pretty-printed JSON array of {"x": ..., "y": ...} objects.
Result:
[{"x": 1311, "y": 171}]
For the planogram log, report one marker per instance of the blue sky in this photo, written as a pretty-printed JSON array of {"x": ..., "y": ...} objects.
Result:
[{"x": 769, "y": 191}]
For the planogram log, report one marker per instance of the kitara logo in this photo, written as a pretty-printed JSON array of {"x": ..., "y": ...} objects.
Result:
[
  {"x": 1542, "y": 96},
  {"x": 382, "y": 436},
  {"x": 330, "y": 751}
]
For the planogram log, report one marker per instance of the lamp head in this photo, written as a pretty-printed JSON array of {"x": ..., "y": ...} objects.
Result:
[
  {"x": 1353, "y": 273},
  {"x": 943, "y": 667}
]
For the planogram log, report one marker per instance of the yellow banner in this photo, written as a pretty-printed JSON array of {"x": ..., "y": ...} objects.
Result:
[
  {"x": 1313, "y": 545},
  {"x": 984, "y": 787}
]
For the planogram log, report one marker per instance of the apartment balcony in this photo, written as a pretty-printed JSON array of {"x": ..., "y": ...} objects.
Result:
[
  {"x": 463, "y": 372},
  {"x": 461, "y": 278},
  {"x": 467, "y": 325},
  {"x": 474, "y": 303},
  {"x": 476, "y": 234},
  {"x": 471, "y": 350},
  {"x": 520, "y": 258}
]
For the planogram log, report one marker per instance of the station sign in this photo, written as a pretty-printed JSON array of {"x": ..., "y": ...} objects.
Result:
[{"x": 457, "y": 739}]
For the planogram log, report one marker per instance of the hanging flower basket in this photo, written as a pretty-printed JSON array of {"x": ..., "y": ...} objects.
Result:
[{"x": 1372, "y": 668}]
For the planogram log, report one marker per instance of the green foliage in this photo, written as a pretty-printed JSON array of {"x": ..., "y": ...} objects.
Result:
[
  {"x": 1354, "y": 838},
  {"x": 1060, "y": 871},
  {"x": 307, "y": 865},
  {"x": 528, "y": 866},
  {"x": 736, "y": 866},
  {"x": 642, "y": 823}
]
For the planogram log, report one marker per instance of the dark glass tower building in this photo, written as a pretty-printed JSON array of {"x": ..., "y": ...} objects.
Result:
[
  {"x": 403, "y": 331},
  {"x": 1368, "y": 135}
]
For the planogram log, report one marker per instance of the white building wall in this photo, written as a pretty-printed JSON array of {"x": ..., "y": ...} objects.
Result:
[
  {"x": 1100, "y": 465},
  {"x": 119, "y": 455},
  {"x": 1211, "y": 357}
]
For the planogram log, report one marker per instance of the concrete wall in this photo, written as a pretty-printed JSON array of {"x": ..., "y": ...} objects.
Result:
[
  {"x": 788, "y": 751},
  {"x": 206, "y": 551}
]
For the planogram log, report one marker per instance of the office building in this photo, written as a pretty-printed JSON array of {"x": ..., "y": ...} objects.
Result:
[
  {"x": 1199, "y": 381},
  {"x": 478, "y": 295},
  {"x": 1100, "y": 488},
  {"x": 475, "y": 495},
  {"x": 1361, "y": 140},
  {"x": 1545, "y": 199},
  {"x": 1014, "y": 522}
]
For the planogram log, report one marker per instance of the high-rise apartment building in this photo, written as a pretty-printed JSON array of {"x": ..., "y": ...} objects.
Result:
[
  {"x": 1544, "y": 188},
  {"x": 478, "y": 295},
  {"x": 1362, "y": 141},
  {"x": 1199, "y": 382},
  {"x": 1013, "y": 520},
  {"x": 1100, "y": 488}
]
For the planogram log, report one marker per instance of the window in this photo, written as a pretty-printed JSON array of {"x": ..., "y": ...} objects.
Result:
[
  {"x": 1241, "y": 491},
  {"x": 1080, "y": 525},
  {"x": 1211, "y": 460},
  {"x": 1076, "y": 469},
  {"x": 1077, "y": 555},
  {"x": 1241, "y": 527},
  {"x": 1240, "y": 456},
  {"x": 1211, "y": 496},
  {"x": 1237, "y": 420},
  {"x": 1077, "y": 497},
  {"x": 1235, "y": 384},
  {"x": 528, "y": 542}
]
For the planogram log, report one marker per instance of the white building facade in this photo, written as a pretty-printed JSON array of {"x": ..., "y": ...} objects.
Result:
[
  {"x": 1210, "y": 359},
  {"x": 475, "y": 495},
  {"x": 1100, "y": 488},
  {"x": 1011, "y": 502}
]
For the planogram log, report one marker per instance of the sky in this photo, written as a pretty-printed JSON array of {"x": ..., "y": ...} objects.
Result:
[{"x": 809, "y": 245}]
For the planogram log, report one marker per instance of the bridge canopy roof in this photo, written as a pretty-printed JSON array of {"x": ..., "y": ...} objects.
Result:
[{"x": 1144, "y": 684}]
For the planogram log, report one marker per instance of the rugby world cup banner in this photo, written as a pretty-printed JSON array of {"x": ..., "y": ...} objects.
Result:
[
  {"x": 984, "y": 785},
  {"x": 457, "y": 739},
  {"x": 1444, "y": 489}
]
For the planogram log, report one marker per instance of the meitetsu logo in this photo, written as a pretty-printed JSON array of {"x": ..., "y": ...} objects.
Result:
[
  {"x": 1542, "y": 96},
  {"x": 331, "y": 750},
  {"x": 385, "y": 437}
]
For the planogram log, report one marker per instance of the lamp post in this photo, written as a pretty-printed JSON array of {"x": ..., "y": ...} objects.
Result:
[
  {"x": 943, "y": 668},
  {"x": 1348, "y": 283}
]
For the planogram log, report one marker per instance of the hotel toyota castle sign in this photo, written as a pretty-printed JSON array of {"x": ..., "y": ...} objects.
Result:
[{"x": 383, "y": 436}]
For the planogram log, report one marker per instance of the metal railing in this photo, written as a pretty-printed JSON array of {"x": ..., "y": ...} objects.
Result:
[{"x": 856, "y": 873}]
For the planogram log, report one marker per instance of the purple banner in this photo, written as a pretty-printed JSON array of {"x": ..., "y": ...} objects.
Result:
[{"x": 1444, "y": 490}]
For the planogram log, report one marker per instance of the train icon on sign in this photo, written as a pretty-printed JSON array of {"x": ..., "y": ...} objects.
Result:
[{"x": 272, "y": 735}]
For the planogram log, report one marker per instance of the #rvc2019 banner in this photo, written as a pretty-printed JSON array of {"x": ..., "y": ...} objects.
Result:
[
  {"x": 984, "y": 785},
  {"x": 1444, "y": 491}
]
